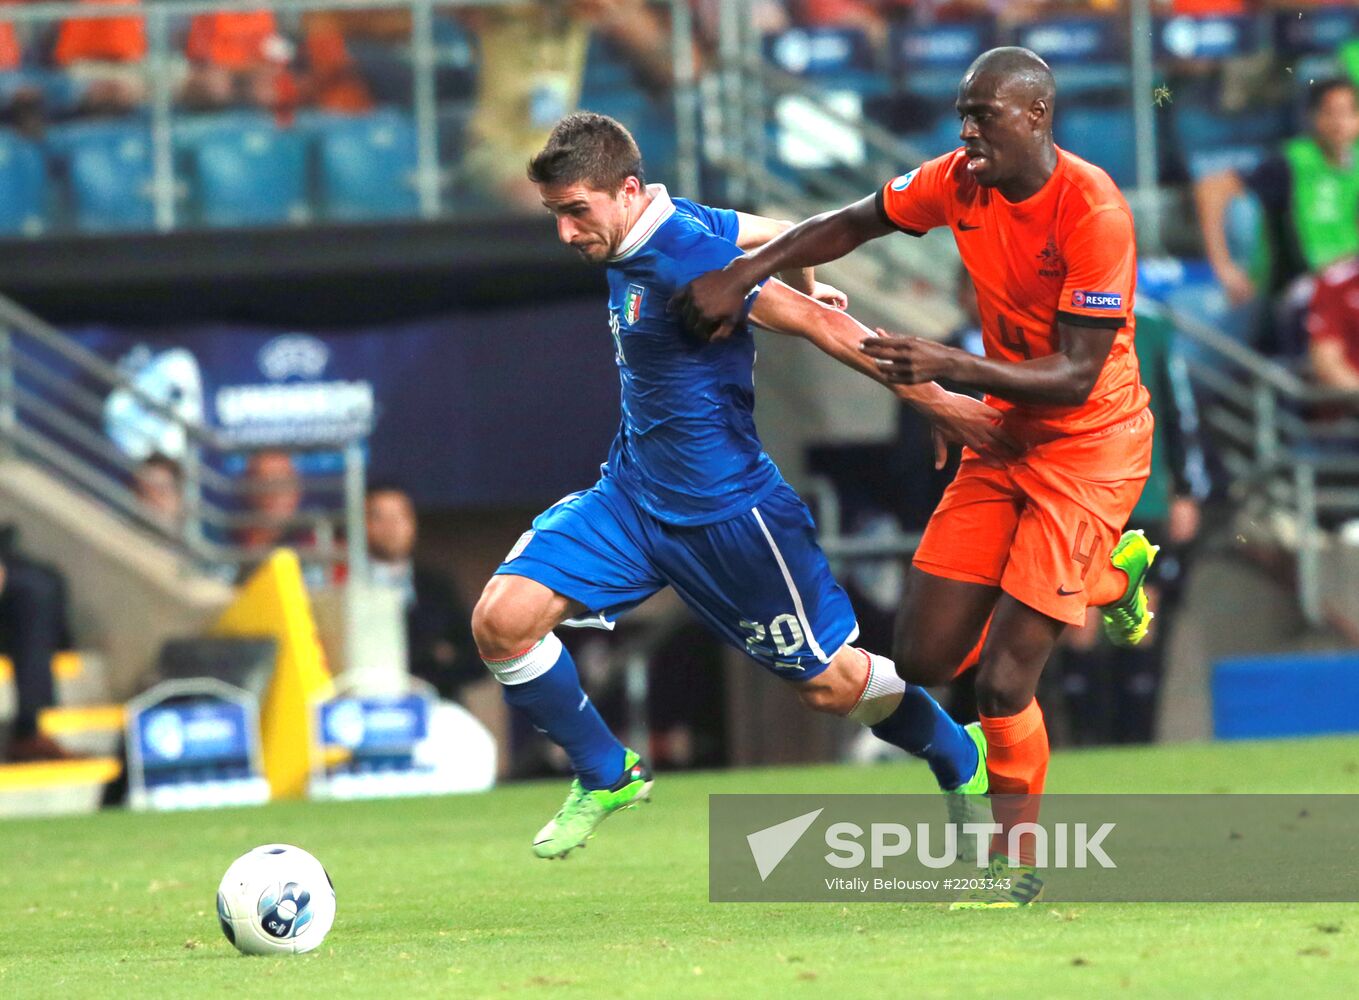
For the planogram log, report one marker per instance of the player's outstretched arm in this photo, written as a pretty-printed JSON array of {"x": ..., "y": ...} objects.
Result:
[
  {"x": 1063, "y": 378},
  {"x": 712, "y": 304},
  {"x": 956, "y": 417},
  {"x": 757, "y": 230}
]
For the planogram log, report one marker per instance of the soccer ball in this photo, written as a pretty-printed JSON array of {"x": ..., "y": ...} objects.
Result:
[{"x": 276, "y": 900}]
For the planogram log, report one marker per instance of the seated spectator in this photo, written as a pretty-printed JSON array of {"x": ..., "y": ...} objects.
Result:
[
  {"x": 105, "y": 54},
  {"x": 32, "y": 630},
  {"x": 1333, "y": 326},
  {"x": 333, "y": 81},
  {"x": 238, "y": 59},
  {"x": 158, "y": 484},
  {"x": 1310, "y": 194},
  {"x": 438, "y": 625},
  {"x": 23, "y": 112}
]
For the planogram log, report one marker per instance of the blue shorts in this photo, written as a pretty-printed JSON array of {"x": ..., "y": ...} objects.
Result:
[{"x": 760, "y": 580}]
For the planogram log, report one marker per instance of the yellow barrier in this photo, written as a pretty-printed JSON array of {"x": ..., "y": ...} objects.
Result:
[
  {"x": 273, "y": 603},
  {"x": 50, "y": 774},
  {"x": 65, "y": 666}
]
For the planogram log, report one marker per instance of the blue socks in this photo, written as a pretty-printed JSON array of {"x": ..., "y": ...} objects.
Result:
[
  {"x": 543, "y": 684},
  {"x": 921, "y": 727}
]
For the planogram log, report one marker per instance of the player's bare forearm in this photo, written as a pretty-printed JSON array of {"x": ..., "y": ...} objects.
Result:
[
  {"x": 756, "y": 230},
  {"x": 957, "y": 418},
  {"x": 818, "y": 240},
  {"x": 711, "y": 305},
  {"x": 1063, "y": 378}
]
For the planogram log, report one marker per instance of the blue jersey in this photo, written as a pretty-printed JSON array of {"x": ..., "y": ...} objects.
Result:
[{"x": 687, "y": 451}]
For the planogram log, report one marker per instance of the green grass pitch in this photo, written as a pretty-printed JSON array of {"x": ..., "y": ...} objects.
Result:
[{"x": 441, "y": 897}]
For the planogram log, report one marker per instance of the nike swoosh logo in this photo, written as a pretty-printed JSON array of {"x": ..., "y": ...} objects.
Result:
[
  {"x": 965, "y": 227},
  {"x": 1063, "y": 592}
]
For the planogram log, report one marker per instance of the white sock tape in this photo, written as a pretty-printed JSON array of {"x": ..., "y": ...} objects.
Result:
[
  {"x": 526, "y": 666},
  {"x": 882, "y": 691}
]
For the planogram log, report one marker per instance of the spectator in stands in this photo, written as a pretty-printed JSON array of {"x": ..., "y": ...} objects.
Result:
[
  {"x": 438, "y": 625},
  {"x": 23, "y": 111},
  {"x": 1333, "y": 326},
  {"x": 1112, "y": 694},
  {"x": 532, "y": 66},
  {"x": 238, "y": 58},
  {"x": 273, "y": 496},
  {"x": 333, "y": 81},
  {"x": 1310, "y": 194},
  {"x": 32, "y": 630},
  {"x": 105, "y": 54},
  {"x": 158, "y": 484}
]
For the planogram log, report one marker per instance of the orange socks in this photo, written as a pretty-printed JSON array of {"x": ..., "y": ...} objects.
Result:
[
  {"x": 1111, "y": 585},
  {"x": 1016, "y": 764}
]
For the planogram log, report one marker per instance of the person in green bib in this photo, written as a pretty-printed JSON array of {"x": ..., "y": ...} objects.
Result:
[{"x": 1309, "y": 190}]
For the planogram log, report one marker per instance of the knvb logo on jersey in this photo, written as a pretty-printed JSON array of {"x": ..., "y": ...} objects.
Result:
[
  {"x": 1050, "y": 261},
  {"x": 632, "y": 304},
  {"x": 1097, "y": 300}
]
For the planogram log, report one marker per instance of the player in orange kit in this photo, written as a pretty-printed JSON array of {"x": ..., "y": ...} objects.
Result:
[{"x": 1026, "y": 544}]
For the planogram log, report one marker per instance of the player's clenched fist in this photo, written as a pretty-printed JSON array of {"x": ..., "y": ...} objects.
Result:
[
  {"x": 713, "y": 304},
  {"x": 911, "y": 360}
]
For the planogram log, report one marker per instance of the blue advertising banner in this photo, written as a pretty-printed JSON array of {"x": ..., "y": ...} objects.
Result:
[
  {"x": 477, "y": 408},
  {"x": 375, "y": 725},
  {"x": 185, "y": 734}
]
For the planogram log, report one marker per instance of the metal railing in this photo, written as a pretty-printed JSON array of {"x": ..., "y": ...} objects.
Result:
[
  {"x": 1289, "y": 446},
  {"x": 53, "y": 397}
]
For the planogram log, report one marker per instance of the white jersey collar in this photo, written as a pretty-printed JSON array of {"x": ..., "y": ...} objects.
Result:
[{"x": 660, "y": 209}]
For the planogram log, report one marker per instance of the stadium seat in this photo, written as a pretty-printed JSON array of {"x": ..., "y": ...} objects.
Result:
[
  {"x": 23, "y": 187},
  {"x": 109, "y": 169},
  {"x": 251, "y": 175},
  {"x": 1102, "y": 135},
  {"x": 367, "y": 168}
]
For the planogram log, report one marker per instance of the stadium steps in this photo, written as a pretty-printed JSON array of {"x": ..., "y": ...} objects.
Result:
[
  {"x": 129, "y": 591},
  {"x": 56, "y": 787}
]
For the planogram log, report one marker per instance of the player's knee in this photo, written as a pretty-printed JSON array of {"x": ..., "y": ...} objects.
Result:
[
  {"x": 920, "y": 661},
  {"x": 499, "y": 627},
  {"x": 1003, "y": 687}
]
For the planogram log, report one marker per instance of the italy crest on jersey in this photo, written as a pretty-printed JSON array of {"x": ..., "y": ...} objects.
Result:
[{"x": 632, "y": 304}]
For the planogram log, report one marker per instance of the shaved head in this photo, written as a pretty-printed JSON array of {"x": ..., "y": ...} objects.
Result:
[
  {"x": 1005, "y": 102},
  {"x": 1013, "y": 74}
]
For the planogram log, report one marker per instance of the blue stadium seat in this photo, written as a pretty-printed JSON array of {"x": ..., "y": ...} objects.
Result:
[
  {"x": 251, "y": 175},
  {"x": 23, "y": 187},
  {"x": 367, "y": 168},
  {"x": 940, "y": 138},
  {"x": 109, "y": 167},
  {"x": 1102, "y": 135}
]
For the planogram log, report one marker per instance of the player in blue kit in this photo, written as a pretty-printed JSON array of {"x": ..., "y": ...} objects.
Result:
[{"x": 689, "y": 499}]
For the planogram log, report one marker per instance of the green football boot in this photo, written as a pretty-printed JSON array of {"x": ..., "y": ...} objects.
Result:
[
  {"x": 968, "y": 803},
  {"x": 584, "y": 810},
  {"x": 1127, "y": 619},
  {"x": 1004, "y": 887}
]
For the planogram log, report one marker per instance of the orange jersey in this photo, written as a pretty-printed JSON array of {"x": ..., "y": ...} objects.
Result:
[{"x": 1065, "y": 254}]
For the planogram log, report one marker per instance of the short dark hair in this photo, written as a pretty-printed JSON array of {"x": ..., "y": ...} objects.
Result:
[
  {"x": 586, "y": 148},
  {"x": 1318, "y": 91},
  {"x": 380, "y": 486}
]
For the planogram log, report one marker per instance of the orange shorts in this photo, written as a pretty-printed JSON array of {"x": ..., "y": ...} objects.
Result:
[{"x": 1041, "y": 527}]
